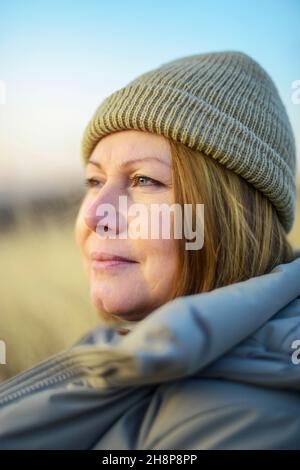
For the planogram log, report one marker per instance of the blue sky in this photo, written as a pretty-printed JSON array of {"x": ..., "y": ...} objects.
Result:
[{"x": 59, "y": 59}]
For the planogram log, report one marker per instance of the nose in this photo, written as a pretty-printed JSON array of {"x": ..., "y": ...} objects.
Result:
[{"x": 102, "y": 215}]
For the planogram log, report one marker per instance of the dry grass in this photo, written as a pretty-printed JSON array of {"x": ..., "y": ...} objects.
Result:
[
  {"x": 44, "y": 295},
  {"x": 294, "y": 236}
]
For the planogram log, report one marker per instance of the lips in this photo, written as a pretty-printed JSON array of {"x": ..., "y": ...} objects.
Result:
[{"x": 103, "y": 256}]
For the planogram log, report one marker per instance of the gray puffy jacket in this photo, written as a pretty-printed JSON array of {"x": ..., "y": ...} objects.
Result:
[{"x": 218, "y": 370}]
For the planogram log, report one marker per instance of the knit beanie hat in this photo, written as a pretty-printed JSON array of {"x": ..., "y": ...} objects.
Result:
[{"x": 221, "y": 103}]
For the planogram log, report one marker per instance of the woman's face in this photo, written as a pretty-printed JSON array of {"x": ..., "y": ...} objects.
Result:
[{"x": 137, "y": 165}]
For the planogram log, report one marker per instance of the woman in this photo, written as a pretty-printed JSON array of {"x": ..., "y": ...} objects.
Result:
[{"x": 211, "y": 361}]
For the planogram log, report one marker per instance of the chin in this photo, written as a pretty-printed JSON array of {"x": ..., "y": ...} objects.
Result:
[
  {"x": 111, "y": 309},
  {"x": 119, "y": 317}
]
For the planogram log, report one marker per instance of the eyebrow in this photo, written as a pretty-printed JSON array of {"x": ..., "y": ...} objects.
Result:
[{"x": 130, "y": 162}]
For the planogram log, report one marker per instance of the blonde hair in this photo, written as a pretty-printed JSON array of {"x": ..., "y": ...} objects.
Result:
[{"x": 243, "y": 236}]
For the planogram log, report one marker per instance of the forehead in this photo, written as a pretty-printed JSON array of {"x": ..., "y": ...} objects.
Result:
[{"x": 122, "y": 147}]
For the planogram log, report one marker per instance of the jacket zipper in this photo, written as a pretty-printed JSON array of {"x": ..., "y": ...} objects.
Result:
[{"x": 76, "y": 365}]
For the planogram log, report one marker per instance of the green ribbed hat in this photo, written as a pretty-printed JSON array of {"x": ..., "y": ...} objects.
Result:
[{"x": 221, "y": 103}]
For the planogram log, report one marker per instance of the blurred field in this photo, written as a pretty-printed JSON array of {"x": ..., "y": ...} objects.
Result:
[
  {"x": 44, "y": 298},
  {"x": 294, "y": 236}
]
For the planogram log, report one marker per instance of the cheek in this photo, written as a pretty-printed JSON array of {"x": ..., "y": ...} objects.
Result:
[
  {"x": 160, "y": 255},
  {"x": 160, "y": 267}
]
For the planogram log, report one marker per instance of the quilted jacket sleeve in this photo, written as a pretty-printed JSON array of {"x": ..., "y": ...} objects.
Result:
[{"x": 213, "y": 414}]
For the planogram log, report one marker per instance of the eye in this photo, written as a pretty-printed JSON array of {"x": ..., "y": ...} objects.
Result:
[
  {"x": 143, "y": 180},
  {"x": 137, "y": 180},
  {"x": 91, "y": 182}
]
